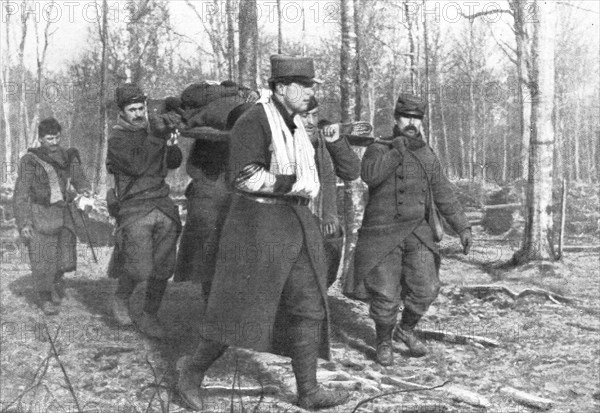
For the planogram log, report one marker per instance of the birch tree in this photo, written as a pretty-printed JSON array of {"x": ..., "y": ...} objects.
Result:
[{"x": 537, "y": 244}]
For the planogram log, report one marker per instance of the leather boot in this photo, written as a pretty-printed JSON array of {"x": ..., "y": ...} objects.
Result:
[
  {"x": 150, "y": 326},
  {"x": 120, "y": 310},
  {"x": 385, "y": 350},
  {"x": 192, "y": 369},
  {"x": 405, "y": 333},
  {"x": 304, "y": 349}
]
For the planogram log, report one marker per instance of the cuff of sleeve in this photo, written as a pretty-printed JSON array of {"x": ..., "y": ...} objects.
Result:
[{"x": 284, "y": 183}]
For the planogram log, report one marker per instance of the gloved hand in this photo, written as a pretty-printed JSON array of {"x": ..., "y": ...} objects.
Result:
[
  {"x": 331, "y": 132},
  {"x": 330, "y": 228},
  {"x": 466, "y": 239},
  {"x": 400, "y": 144},
  {"x": 27, "y": 233}
]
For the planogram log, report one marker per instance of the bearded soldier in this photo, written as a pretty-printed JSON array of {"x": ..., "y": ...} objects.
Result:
[{"x": 395, "y": 252}]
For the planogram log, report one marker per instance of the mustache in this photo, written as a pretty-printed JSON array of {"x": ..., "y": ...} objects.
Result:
[{"x": 410, "y": 128}]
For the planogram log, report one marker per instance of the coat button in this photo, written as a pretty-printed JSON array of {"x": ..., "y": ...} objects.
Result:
[
  {"x": 422, "y": 202},
  {"x": 400, "y": 202},
  {"x": 401, "y": 191},
  {"x": 400, "y": 175},
  {"x": 424, "y": 189}
]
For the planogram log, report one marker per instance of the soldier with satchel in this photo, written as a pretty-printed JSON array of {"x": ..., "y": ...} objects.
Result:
[
  {"x": 397, "y": 257},
  {"x": 50, "y": 178}
]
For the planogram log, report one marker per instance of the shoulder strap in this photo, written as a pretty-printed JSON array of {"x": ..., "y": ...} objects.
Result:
[{"x": 122, "y": 195}]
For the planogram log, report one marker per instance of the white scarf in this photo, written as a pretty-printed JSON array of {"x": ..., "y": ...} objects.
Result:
[
  {"x": 56, "y": 194},
  {"x": 292, "y": 154}
]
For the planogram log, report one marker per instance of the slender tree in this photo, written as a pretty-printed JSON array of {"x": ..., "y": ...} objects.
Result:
[
  {"x": 537, "y": 244},
  {"x": 248, "y": 44},
  {"x": 101, "y": 173},
  {"x": 9, "y": 157}
]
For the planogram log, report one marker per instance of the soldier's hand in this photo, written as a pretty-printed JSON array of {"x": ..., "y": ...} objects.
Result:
[
  {"x": 400, "y": 144},
  {"x": 330, "y": 228},
  {"x": 27, "y": 233},
  {"x": 466, "y": 239},
  {"x": 331, "y": 132}
]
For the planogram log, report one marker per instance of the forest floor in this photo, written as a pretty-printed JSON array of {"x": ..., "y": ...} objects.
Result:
[{"x": 546, "y": 348}]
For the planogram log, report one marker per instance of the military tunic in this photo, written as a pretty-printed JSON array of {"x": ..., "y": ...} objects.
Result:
[{"x": 396, "y": 255}]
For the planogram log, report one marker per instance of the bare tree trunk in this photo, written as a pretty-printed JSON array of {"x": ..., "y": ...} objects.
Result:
[
  {"x": 472, "y": 108},
  {"x": 230, "y": 40},
  {"x": 248, "y": 44},
  {"x": 538, "y": 227},
  {"x": 576, "y": 142},
  {"x": 504, "y": 155},
  {"x": 279, "y": 29},
  {"x": 357, "y": 84},
  {"x": 23, "y": 115},
  {"x": 40, "y": 61},
  {"x": 9, "y": 157},
  {"x": 518, "y": 8},
  {"x": 463, "y": 155},
  {"x": 347, "y": 61},
  {"x": 430, "y": 138},
  {"x": 101, "y": 173},
  {"x": 411, "y": 50}
]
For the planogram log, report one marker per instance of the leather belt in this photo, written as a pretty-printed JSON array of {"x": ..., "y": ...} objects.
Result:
[{"x": 284, "y": 200}]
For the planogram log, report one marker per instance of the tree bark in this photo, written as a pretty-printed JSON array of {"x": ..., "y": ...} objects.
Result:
[
  {"x": 411, "y": 50},
  {"x": 357, "y": 77},
  {"x": 9, "y": 157},
  {"x": 101, "y": 173},
  {"x": 279, "y": 29},
  {"x": 230, "y": 39},
  {"x": 524, "y": 93},
  {"x": 23, "y": 115},
  {"x": 538, "y": 226},
  {"x": 347, "y": 61},
  {"x": 430, "y": 138},
  {"x": 248, "y": 44}
]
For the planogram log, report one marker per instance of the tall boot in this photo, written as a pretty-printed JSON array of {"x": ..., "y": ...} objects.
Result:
[
  {"x": 304, "y": 343},
  {"x": 405, "y": 332},
  {"x": 120, "y": 300},
  {"x": 385, "y": 350},
  {"x": 149, "y": 323},
  {"x": 192, "y": 370}
]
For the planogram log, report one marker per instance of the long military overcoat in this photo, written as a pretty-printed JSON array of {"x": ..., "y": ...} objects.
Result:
[{"x": 256, "y": 253}]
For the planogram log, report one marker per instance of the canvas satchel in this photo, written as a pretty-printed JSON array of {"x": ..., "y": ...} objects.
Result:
[{"x": 432, "y": 213}]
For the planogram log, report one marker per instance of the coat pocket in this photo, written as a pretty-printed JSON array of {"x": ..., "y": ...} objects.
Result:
[{"x": 47, "y": 219}]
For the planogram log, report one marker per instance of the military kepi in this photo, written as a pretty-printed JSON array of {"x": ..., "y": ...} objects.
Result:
[
  {"x": 299, "y": 69},
  {"x": 410, "y": 106},
  {"x": 129, "y": 93}
]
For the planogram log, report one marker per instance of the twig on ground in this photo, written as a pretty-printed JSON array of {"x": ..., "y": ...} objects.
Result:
[
  {"x": 62, "y": 367},
  {"x": 527, "y": 399},
  {"x": 488, "y": 289},
  {"x": 157, "y": 386},
  {"x": 582, "y": 326},
  {"x": 390, "y": 393},
  {"x": 456, "y": 338}
]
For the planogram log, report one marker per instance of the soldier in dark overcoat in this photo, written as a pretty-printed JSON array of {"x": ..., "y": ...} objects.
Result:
[
  {"x": 396, "y": 255},
  {"x": 49, "y": 179},
  {"x": 139, "y": 156},
  {"x": 334, "y": 158},
  {"x": 269, "y": 292}
]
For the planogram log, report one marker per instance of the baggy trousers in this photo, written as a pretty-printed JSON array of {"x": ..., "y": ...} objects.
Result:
[
  {"x": 50, "y": 256},
  {"x": 407, "y": 274},
  {"x": 146, "y": 251}
]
